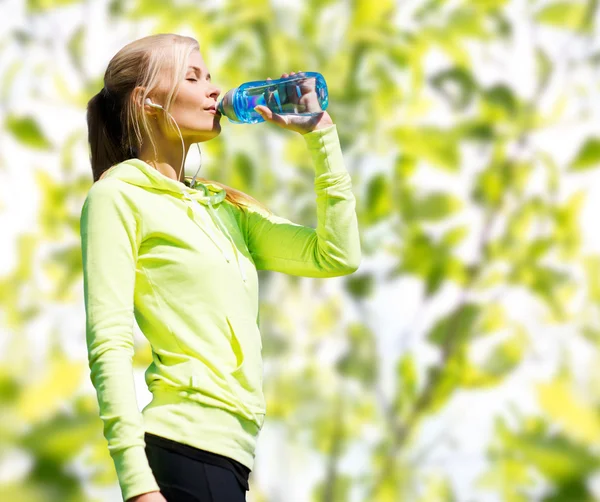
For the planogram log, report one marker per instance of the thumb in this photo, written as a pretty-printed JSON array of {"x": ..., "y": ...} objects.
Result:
[
  {"x": 268, "y": 114},
  {"x": 264, "y": 112}
]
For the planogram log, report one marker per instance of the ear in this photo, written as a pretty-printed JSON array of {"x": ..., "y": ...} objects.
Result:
[{"x": 137, "y": 95}]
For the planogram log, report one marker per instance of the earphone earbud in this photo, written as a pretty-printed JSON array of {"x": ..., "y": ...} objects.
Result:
[{"x": 149, "y": 102}]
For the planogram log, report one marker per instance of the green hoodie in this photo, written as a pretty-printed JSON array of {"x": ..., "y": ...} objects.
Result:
[{"x": 183, "y": 262}]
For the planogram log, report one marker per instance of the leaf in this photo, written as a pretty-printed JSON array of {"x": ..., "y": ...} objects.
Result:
[
  {"x": 44, "y": 396},
  {"x": 434, "y": 145},
  {"x": 554, "y": 456},
  {"x": 378, "y": 198},
  {"x": 577, "y": 418},
  {"x": 493, "y": 318},
  {"x": 567, "y": 14},
  {"x": 503, "y": 469},
  {"x": 588, "y": 156},
  {"x": 437, "y": 488},
  {"x": 437, "y": 206},
  {"x": 477, "y": 130},
  {"x": 544, "y": 68},
  {"x": 76, "y": 48},
  {"x": 25, "y": 491},
  {"x": 567, "y": 231},
  {"x": 369, "y": 20},
  {"x": 489, "y": 187},
  {"x": 433, "y": 262},
  {"x": 455, "y": 236},
  {"x": 54, "y": 204},
  {"x": 407, "y": 386},
  {"x": 405, "y": 167},
  {"x": 62, "y": 437},
  {"x": 445, "y": 380},
  {"x": 592, "y": 268},
  {"x": 501, "y": 101},
  {"x": 458, "y": 325},
  {"x": 456, "y": 85},
  {"x": 360, "y": 361},
  {"x": 339, "y": 491},
  {"x": 64, "y": 269},
  {"x": 42, "y": 5},
  {"x": 27, "y": 131},
  {"x": 546, "y": 282},
  {"x": 507, "y": 354},
  {"x": 360, "y": 286}
]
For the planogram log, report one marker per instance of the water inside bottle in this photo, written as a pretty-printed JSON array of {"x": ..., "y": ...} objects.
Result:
[
  {"x": 296, "y": 94},
  {"x": 303, "y": 93}
]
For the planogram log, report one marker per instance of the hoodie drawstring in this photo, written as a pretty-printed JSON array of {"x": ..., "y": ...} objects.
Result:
[
  {"x": 215, "y": 217},
  {"x": 226, "y": 232}
]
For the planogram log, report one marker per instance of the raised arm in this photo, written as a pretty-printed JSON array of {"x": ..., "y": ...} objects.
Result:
[
  {"x": 110, "y": 234},
  {"x": 330, "y": 250}
]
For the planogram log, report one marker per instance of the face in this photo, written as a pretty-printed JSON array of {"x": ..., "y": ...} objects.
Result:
[{"x": 190, "y": 108}]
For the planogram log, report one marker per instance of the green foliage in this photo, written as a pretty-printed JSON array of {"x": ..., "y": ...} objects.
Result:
[
  {"x": 457, "y": 85},
  {"x": 360, "y": 286},
  {"x": 434, "y": 145},
  {"x": 458, "y": 327},
  {"x": 565, "y": 14},
  {"x": 337, "y": 490},
  {"x": 378, "y": 199},
  {"x": 577, "y": 419},
  {"x": 408, "y": 385},
  {"x": 27, "y": 131},
  {"x": 588, "y": 156},
  {"x": 509, "y": 231},
  {"x": 35, "y": 6},
  {"x": 430, "y": 259},
  {"x": 535, "y": 449},
  {"x": 436, "y": 206},
  {"x": 360, "y": 362}
]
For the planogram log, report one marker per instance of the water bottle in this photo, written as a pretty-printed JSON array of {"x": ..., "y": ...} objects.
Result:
[{"x": 303, "y": 93}]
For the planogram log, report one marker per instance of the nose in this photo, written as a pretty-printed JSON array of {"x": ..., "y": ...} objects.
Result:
[{"x": 215, "y": 92}]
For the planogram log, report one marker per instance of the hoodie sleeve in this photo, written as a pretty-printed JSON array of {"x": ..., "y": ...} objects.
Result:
[
  {"x": 333, "y": 248},
  {"x": 109, "y": 229}
]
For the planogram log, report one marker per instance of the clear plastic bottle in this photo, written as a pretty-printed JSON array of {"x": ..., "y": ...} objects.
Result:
[{"x": 303, "y": 93}]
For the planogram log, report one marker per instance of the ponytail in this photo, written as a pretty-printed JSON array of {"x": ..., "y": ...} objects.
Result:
[{"x": 108, "y": 145}]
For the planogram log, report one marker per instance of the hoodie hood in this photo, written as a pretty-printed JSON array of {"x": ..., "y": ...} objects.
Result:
[{"x": 137, "y": 172}]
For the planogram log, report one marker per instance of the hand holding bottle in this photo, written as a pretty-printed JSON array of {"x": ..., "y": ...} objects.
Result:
[{"x": 305, "y": 101}]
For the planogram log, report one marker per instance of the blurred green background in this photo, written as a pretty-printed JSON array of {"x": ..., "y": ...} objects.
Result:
[{"x": 459, "y": 363}]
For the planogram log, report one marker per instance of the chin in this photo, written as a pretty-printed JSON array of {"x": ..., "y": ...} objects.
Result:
[{"x": 206, "y": 135}]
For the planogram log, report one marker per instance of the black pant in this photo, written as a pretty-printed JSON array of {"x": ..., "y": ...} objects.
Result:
[{"x": 184, "y": 479}]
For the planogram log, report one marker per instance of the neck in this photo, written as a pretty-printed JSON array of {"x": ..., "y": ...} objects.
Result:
[
  {"x": 173, "y": 172},
  {"x": 168, "y": 156}
]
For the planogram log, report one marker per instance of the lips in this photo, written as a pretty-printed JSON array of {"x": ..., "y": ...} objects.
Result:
[{"x": 213, "y": 110}]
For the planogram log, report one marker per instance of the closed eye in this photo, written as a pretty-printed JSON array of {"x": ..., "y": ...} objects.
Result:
[{"x": 192, "y": 79}]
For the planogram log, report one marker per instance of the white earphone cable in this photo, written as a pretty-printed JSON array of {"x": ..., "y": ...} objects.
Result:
[{"x": 194, "y": 178}]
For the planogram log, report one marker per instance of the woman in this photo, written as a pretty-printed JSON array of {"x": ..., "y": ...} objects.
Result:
[{"x": 181, "y": 257}]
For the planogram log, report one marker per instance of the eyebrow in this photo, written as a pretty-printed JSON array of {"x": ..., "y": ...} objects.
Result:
[{"x": 199, "y": 70}]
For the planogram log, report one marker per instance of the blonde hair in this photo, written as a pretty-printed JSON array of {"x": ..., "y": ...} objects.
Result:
[{"x": 115, "y": 117}]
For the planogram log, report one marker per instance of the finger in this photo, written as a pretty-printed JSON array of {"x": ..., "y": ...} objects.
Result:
[
  {"x": 269, "y": 115},
  {"x": 291, "y": 95}
]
